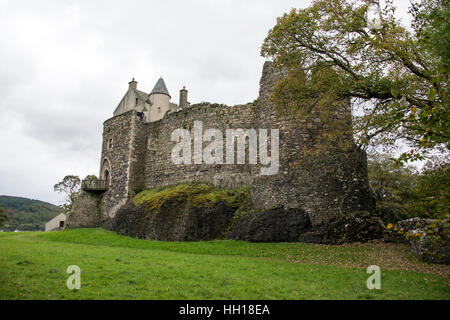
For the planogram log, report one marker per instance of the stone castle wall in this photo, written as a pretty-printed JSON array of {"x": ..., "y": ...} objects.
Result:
[
  {"x": 141, "y": 154},
  {"x": 324, "y": 186},
  {"x": 160, "y": 170}
]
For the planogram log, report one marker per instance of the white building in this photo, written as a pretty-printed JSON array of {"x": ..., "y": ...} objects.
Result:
[{"x": 57, "y": 223}]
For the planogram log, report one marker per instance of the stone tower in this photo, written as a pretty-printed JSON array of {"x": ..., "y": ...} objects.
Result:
[{"x": 159, "y": 100}]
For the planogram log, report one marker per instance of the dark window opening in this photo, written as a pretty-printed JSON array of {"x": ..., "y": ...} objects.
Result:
[
  {"x": 153, "y": 162},
  {"x": 106, "y": 176}
]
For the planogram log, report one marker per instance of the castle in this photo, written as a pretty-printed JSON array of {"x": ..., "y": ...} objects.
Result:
[{"x": 137, "y": 145}]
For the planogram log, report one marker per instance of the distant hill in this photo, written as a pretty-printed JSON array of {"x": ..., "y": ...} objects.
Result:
[{"x": 27, "y": 214}]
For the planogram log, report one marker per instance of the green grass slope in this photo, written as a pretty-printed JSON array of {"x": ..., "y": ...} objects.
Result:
[
  {"x": 27, "y": 214},
  {"x": 33, "y": 266}
]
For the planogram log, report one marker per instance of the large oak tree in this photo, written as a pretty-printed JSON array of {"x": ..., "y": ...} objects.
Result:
[{"x": 396, "y": 78}]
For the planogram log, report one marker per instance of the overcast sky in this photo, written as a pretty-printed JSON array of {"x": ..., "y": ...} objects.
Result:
[{"x": 65, "y": 65}]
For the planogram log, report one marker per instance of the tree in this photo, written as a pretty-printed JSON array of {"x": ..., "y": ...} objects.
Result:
[
  {"x": 433, "y": 189},
  {"x": 432, "y": 22},
  {"x": 397, "y": 80},
  {"x": 91, "y": 178},
  {"x": 3, "y": 217},
  {"x": 70, "y": 187},
  {"x": 394, "y": 188},
  {"x": 401, "y": 192}
]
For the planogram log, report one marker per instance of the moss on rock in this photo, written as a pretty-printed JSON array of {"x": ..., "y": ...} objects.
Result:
[
  {"x": 196, "y": 194},
  {"x": 188, "y": 211}
]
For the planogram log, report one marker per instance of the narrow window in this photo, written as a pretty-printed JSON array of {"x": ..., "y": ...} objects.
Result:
[
  {"x": 153, "y": 162},
  {"x": 110, "y": 143},
  {"x": 106, "y": 176},
  {"x": 136, "y": 101}
]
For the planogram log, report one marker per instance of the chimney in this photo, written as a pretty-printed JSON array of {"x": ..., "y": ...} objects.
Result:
[
  {"x": 132, "y": 84},
  {"x": 183, "y": 97}
]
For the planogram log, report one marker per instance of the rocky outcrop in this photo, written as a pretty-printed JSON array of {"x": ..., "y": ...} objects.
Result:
[
  {"x": 359, "y": 226},
  {"x": 174, "y": 220},
  {"x": 429, "y": 238},
  {"x": 427, "y": 249},
  {"x": 397, "y": 233},
  {"x": 274, "y": 225},
  {"x": 185, "y": 212}
]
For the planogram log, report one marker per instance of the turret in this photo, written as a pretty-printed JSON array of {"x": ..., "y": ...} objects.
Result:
[{"x": 159, "y": 100}]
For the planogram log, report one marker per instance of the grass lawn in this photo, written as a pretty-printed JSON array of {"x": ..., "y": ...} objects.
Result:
[{"x": 33, "y": 266}]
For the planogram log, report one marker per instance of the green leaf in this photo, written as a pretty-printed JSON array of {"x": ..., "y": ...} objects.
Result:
[
  {"x": 443, "y": 69},
  {"x": 432, "y": 94},
  {"x": 394, "y": 92}
]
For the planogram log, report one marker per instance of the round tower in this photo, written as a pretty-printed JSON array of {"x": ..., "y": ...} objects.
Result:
[{"x": 159, "y": 99}]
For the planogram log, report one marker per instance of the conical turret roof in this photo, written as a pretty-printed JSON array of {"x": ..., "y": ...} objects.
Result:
[{"x": 160, "y": 87}]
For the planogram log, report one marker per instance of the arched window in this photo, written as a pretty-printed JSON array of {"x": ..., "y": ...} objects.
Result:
[{"x": 105, "y": 172}]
